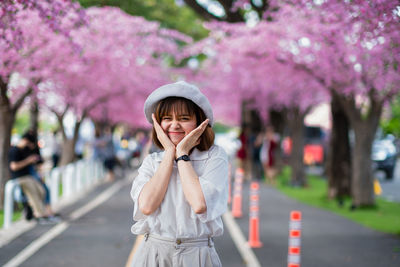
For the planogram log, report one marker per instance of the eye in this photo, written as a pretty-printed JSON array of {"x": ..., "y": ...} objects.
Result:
[
  {"x": 185, "y": 118},
  {"x": 166, "y": 118}
]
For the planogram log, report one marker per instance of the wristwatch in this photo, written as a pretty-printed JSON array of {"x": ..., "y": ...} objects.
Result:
[{"x": 183, "y": 157}]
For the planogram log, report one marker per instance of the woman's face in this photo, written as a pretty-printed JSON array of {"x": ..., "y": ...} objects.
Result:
[{"x": 177, "y": 126}]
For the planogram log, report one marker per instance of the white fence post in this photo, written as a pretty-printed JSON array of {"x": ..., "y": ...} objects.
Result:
[
  {"x": 74, "y": 178},
  {"x": 55, "y": 184},
  {"x": 68, "y": 178},
  {"x": 79, "y": 175},
  {"x": 8, "y": 202}
]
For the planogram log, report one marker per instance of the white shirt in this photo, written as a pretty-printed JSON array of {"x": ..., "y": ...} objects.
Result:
[{"x": 175, "y": 217}]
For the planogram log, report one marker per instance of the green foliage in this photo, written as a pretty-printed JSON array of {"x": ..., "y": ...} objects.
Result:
[
  {"x": 392, "y": 125},
  {"x": 21, "y": 123},
  {"x": 46, "y": 126},
  {"x": 221, "y": 128},
  {"x": 167, "y": 12},
  {"x": 384, "y": 217}
]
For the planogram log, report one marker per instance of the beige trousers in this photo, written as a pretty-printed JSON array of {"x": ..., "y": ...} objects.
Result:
[
  {"x": 156, "y": 251},
  {"x": 35, "y": 193}
]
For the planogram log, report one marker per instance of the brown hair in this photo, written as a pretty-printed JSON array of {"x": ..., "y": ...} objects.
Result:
[{"x": 180, "y": 105}]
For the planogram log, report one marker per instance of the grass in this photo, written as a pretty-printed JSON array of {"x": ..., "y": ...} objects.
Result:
[
  {"x": 16, "y": 216},
  {"x": 384, "y": 216}
]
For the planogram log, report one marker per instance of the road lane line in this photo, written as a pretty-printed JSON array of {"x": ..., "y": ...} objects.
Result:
[
  {"x": 139, "y": 239},
  {"x": 61, "y": 227},
  {"x": 37, "y": 244},
  {"x": 240, "y": 241}
]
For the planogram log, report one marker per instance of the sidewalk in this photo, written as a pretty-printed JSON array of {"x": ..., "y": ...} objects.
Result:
[{"x": 327, "y": 239}]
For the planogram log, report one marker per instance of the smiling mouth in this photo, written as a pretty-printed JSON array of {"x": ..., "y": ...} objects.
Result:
[{"x": 175, "y": 132}]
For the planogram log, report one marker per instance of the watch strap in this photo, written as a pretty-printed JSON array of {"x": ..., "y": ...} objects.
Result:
[{"x": 183, "y": 157}]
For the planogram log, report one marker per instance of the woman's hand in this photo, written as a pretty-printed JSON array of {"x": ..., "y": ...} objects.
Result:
[
  {"x": 191, "y": 140},
  {"x": 162, "y": 136}
]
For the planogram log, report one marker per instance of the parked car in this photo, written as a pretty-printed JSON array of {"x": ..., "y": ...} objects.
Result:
[{"x": 384, "y": 156}]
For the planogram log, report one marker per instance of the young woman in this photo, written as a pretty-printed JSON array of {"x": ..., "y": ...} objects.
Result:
[{"x": 180, "y": 193}]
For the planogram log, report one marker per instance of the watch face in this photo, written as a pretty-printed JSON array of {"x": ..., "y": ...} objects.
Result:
[{"x": 185, "y": 158}]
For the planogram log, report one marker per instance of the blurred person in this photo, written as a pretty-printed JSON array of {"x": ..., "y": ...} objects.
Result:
[
  {"x": 34, "y": 170},
  {"x": 55, "y": 147},
  {"x": 180, "y": 193},
  {"x": 242, "y": 153},
  {"x": 257, "y": 165},
  {"x": 22, "y": 158},
  {"x": 267, "y": 154},
  {"x": 104, "y": 151},
  {"x": 79, "y": 148},
  {"x": 149, "y": 147}
]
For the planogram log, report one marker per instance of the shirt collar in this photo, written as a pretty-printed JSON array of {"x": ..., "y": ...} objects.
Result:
[{"x": 196, "y": 155}]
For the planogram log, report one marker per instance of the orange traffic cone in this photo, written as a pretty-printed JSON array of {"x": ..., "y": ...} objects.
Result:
[
  {"x": 254, "y": 226},
  {"x": 294, "y": 239},
  {"x": 237, "y": 194}
]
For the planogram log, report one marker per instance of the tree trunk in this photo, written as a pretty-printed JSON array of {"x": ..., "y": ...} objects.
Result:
[
  {"x": 277, "y": 120},
  {"x": 251, "y": 125},
  {"x": 68, "y": 146},
  {"x": 364, "y": 126},
  {"x": 296, "y": 126},
  {"x": 362, "y": 178},
  {"x": 7, "y": 118},
  {"x": 68, "y": 151},
  {"x": 34, "y": 115},
  {"x": 338, "y": 165}
]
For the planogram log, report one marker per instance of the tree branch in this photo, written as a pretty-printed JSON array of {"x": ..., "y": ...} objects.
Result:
[
  {"x": 201, "y": 10},
  {"x": 60, "y": 118},
  {"x": 100, "y": 100},
  {"x": 4, "y": 100},
  {"x": 260, "y": 9},
  {"x": 21, "y": 99}
]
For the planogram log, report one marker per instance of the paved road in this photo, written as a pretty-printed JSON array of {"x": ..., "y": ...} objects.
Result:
[
  {"x": 391, "y": 188},
  {"x": 102, "y": 236},
  {"x": 327, "y": 239}
]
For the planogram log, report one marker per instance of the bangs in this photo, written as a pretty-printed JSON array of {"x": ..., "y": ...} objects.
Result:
[
  {"x": 182, "y": 106},
  {"x": 177, "y": 106}
]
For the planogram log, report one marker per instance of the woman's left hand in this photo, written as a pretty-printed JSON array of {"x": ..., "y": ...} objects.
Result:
[{"x": 191, "y": 140}]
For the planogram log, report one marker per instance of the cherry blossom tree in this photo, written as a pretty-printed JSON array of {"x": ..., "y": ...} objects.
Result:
[
  {"x": 238, "y": 70},
  {"x": 31, "y": 63},
  {"x": 123, "y": 60},
  {"x": 361, "y": 44},
  {"x": 53, "y": 13},
  {"x": 119, "y": 55}
]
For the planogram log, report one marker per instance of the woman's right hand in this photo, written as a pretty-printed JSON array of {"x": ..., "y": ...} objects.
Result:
[{"x": 162, "y": 136}]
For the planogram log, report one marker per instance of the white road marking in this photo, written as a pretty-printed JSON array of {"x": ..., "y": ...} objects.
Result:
[
  {"x": 245, "y": 251},
  {"x": 137, "y": 243},
  {"x": 61, "y": 227},
  {"x": 18, "y": 228}
]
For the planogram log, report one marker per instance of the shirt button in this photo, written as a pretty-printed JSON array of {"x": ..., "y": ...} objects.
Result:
[{"x": 178, "y": 241}]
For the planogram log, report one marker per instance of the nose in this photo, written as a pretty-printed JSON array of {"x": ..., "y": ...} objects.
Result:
[{"x": 175, "y": 124}]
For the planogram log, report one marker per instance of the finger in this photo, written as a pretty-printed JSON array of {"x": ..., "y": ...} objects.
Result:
[
  {"x": 202, "y": 127},
  {"x": 154, "y": 119},
  {"x": 157, "y": 126}
]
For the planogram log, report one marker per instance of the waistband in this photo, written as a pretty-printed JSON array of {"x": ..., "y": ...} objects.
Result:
[{"x": 184, "y": 242}]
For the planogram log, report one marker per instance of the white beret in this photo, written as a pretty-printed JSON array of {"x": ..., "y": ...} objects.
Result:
[{"x": 178, "y": 89}]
